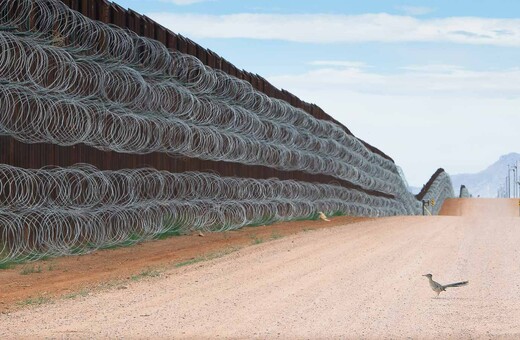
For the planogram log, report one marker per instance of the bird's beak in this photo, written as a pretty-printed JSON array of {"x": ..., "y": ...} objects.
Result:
[{"x": 425, "y": 275}]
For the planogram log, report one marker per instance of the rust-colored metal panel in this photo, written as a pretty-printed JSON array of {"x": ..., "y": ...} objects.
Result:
[
  {"x": 218, "y": 61},
  {"x": 260, "y": 83},
  {"x": 103, "y": 11},
  {"x": 225, "y": 65},
  {"x": 182, "y": 44},
  {"x": 92, "y": 9},
  {"x": 171, "y": 40},
  {"x": 211, "y": 59},
  {"x": 202, "y": 54},
  {"x": 119, "y": 16},
  {"x": 160, "y": 34},
  {"x": 247, "y": 76},
  {"x": 233, "y": 70},
  {"x": 130, "y": 20},
  {"x": 134, "y": 21},
  {"x": 84, "y": 7},
  {"x": 75, "y": 5},
  {"x": 191, "y": 47},
  {"x": 34, "y": 156},
  {"x": 148, "y": 27}
]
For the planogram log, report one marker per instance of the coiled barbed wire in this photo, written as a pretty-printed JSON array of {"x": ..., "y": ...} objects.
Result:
[
  {"x": 48, "y": 67},
  {"x": 56, "y": 24},
  {"x": 61, "y": 211},
  {"x": 73, "y": 80},
  {"x": 82, "y": 35},
  {"x": 440, "y": 190},
  {"x": 33, "y": 117},
  {"x": 464, "y": 192}
]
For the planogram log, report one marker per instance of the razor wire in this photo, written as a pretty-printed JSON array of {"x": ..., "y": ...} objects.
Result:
[
  {"x": 55, "y": 24},
  {"x": 74, "y": 80},
  {"x": 33, "y": 117},
  {"x": 439, "y": 191},
  {"x": 48, "y": 67},
  {"x": 464, "y": 192},
  {"x": 78, "y": 34},
  {"x": 63, "y": 211}
]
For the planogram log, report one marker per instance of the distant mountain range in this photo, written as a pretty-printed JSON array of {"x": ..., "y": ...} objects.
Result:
[{"x": 487, "y": 182}]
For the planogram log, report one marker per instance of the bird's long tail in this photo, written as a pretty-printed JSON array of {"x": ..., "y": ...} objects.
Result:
[{"x": 457, "y": 284}]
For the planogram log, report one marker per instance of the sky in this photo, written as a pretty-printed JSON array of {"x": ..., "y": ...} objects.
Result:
[{"x": 431, "y": 83}]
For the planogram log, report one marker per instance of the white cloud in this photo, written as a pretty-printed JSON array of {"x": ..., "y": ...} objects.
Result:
[
  {"x": 415, "y": 10},
  {"x": 414, "y": 80},
  {"x": 433, "y": 68},
  {"x": 443, "y": 115},
  {"x": 324, "y": 28},
  {"x": 340, "y": 63},
  {"x": 184, "y": 2}
]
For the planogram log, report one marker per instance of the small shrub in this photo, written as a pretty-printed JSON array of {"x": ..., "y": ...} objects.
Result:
[
  {"x": 35, "y": 301},
  {"x": 256, "y": 239},
  {"x": 81, "y": 293},
  {"x": 145, "y": 273},
  {"x": 31, "y": 270},
  {"x": 276, "y": 235}
]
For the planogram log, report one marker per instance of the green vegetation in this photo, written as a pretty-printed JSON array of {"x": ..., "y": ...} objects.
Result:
[
  {"x": 256, "y": 239},
  {"x": 171, "y": 227},
  {"x": 81, "y": 293},
  {"x": 77, "y": 250},
  {"x": 26, "y": 270},
  {"x": 315, "y": 216},
  {"x": 132, "y": 239},
  {"x": 275, "y": 235},
  {"x": 7, "y": 265},
  {"x": 35, "y": 301},
  {"x": 337, "y": 213},
  {"x": 4, "y": 251},
  {"x": 261, "y": 221},
  {"x": 144, "y": 274},
  {"x": 192, "y": 261},
  {"x": 208, "y": 257},
  {"x": 168, "y": 233}
]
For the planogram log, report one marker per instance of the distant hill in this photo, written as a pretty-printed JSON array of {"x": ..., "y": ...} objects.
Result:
[{"x": 487, "y": 182}]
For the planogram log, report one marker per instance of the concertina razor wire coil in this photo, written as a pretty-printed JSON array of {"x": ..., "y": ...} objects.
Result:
[{"x": 59, "y": 84}]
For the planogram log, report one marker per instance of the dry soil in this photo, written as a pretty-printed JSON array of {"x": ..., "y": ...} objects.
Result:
[{"x": 361, "y": 280}]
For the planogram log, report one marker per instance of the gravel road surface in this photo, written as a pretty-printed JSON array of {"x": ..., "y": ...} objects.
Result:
[{"x": 357, "y": 281}]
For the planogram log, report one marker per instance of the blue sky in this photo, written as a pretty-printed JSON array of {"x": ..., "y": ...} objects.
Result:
[
  {"x": 437, "y": 8},
  {"x": 431, "y": 83}
]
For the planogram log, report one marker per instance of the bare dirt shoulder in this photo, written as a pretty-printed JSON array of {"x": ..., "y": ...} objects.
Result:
[{"x": 67, "y": 276}]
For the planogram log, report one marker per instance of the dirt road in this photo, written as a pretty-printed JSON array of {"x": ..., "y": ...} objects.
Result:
[
  {"x": 55, "y": 278},
  {"x": 361, "y": 280}
]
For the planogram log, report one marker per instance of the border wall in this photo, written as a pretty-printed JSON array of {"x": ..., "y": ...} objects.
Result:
[{"x": 116, "y": 130}]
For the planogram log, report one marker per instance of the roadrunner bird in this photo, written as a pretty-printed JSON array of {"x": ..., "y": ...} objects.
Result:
[
  {"x": 323, "y": 216},
  {"x": 438, "y": 288}
]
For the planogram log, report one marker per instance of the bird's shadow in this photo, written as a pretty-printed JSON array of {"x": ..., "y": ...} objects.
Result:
[{"x": 452, "y": 298}]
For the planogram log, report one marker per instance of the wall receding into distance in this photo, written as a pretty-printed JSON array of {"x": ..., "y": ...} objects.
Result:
[{"x": 115, "y": 130}]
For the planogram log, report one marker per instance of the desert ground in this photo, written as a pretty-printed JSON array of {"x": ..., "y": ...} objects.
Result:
[{"x": 352, "y": 278}]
